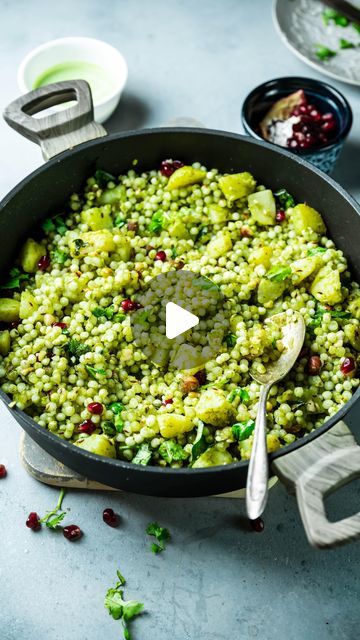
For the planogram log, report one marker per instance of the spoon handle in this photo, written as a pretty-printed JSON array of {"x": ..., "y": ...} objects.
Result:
[{"x": 258, "y": 473}]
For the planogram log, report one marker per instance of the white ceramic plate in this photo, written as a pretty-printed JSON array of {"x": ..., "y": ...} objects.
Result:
[{"x": 301, "y": 26}]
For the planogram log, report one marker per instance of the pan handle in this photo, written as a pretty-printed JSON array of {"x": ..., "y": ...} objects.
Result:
[
  {"x": 59, "y": 131},
  {"x": 317, "y": 470}
]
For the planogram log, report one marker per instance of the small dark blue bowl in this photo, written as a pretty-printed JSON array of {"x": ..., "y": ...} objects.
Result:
[{"x": 322, "y": 95}]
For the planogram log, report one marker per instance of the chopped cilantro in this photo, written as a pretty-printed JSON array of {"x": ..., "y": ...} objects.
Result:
[
  {"x": 171, "y": 451},
  {"x": 316, "y": 319},
  {"x": 119, "y": 221},
  {"x": 116, "y": 407},
  {"x": 93, "y": 371},
  {"x": 316, "y": 251},
  {"x": 108, "y": 312},
  {"x": 356, "y": 26},
  {"x": 53, "y": 518},
  {"x": 230, "y": 339},
  {"x": 173, "y": 253},
  {"x": 331, "y": 15},
  {"x": 199, "y": 445},
  {"x": 15, "y": 279},
  {"x": 161, "y": 534},
  {"x": 59, "y": 256},
  {"x": 108, "y": 428},
  {"x": 143, "y": 455},
  {"x": 75, "y": 349},
  {"x": 205, "y": 283},
  {"x": 158, "y": 221},
  {"x": 278, "y": 273},
  {"x": 56, "y": 225},
  {"x": 103, "y": 177},
  {"x": 119, "y": 608},
  {"x": 284, "y": 198},
  {"x": 346, "y": 44},
  {"x": 324, "y": 53},
  {"x": 119, "y": 317},
  {"x": 238, "y": 392},
  {"x": 242, "y": 430}
]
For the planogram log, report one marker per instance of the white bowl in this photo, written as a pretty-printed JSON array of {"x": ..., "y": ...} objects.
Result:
[{"x": 78, "y": 49}]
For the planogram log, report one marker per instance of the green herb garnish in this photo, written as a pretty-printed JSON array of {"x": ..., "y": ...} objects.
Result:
[
  {"x": 324, "y": 53},
  {"x": 205, "y": 284},
  {"x": 141, "y": 317},
  {"x": 316, "y": 319},
  {"x": 158, "y": 222},
  {"x": 53, "y": 518},
  {"x": 59, "y": 256},
  {"x": 103, "y": 177},
  {"x": 79, "y": 243},
  {"x": 331, "y": 15},
  {"x": 278, "y": 273},
  {"x": 94, "y": 371},
  {"x": 143, "y": 455},
  {"x": 230, "y": 339},
  {"x": 171, "y": 451},
  {"x": 119, "y": 221},
  {"x": 107, "y": 313},
  {"x": 243, "y": 430},
  {"x": 15, "y": 279},
  {"x": 240, "y": 393},
  {"x": 116, "y": 407},
  {"x": 108, "y": 428},
  {"x": 74, "y": 349},
  {"x": 316, "y": 251},
  {"x": 161, "y": 534},
  {"x": 346, "y": 44},
  {"x": 199, "y": 445},
  {"x": 284, "y": 198},
  {"x": 119, "y": 608},
  {"x": 56, "y": 225},
  {"x": 173, "y": 253}
]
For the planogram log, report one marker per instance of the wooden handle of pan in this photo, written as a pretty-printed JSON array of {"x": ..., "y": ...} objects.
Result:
[
  {"x": 59, "y": 131},
  {"x": 314, "y": 471}
]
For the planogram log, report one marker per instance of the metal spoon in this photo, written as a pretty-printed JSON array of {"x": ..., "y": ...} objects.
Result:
[{"x": 293, "y": 334}]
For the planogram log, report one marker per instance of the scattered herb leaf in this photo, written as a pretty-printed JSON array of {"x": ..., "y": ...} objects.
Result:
[
  {"x": 94, "y": 371},
  {"x": 230, "y": 339},
  {"x": 59, "y": 256},
  {"x": 75, "y": 349},
  {"x": 143, "y": 455},
  {"x": 121, "y": 609},
  {"x": 119, "y": 221},
  {"x": 284, "y": 198},
  {"x": 15, "y": 279},
  {"x": 108, "y": 428},
  {"x": 158, "y": 221},
  {"x": 107, "y": 313},
  {"x": 116, "y": 407},
  {"x": 161, "y": 534},
  {"x": 239, "y": 392},
  {"x": 53, "y": 518},
  {"x": 242, "y": 430},
  {"x": 56, "y": 224},
  {"x": 316, "y": 319},
  {"x": 171, "y": 451},
  {"x": 205, "y": 284},
  {"x": 278, "y": 273},
  {"x": 316, "y": 251},
  {"x": 331, "y": 15},
  {"x": 346, "y": 44},
  {"x": 79, "y": 243},
  {"x": 324, "y": 53},
  {"x": 173, "y": 253},
  {"x": 199, "y": 445},
  {"x": 103, "y": 177}
]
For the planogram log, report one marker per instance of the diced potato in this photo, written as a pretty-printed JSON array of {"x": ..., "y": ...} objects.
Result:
[
  {"x": 98, "y": 218},
  {"x": 113, "y": 195},
  {"x": 304, "y": 217},
  {"x": 220, "y": 245},
  {"x": 272, "y": 442},
  {"x": 178, "y": 230},
  {"x": 262, "y": 207},
  {"x": 30, "y": 255},
  {"x": 9, "y": 310},
  {"x": 353, "y": 304},
  {"x": 172, "y": 425},
  {"x": 304, "y": 268},
  {"x": 261, "y": 256},
  {"x": 237, "y": 185},
  {"x": 184, "y": 177},
  {"x": 213, "y": 457},
  {"x": 326, "y": 287},
  {"x": 352, "y": 333},
  {"x": 98, "y": 443},
  {"x": 214, "y": 408},
  {"x": 123, "y": 248},
  {"x": 28, "y": 305},
  {"x": 4, "y": 342},
  {"x": 97, "y": 241},
  {"x": 218, "y": 214},
  {"x": 270, "y": 290}
]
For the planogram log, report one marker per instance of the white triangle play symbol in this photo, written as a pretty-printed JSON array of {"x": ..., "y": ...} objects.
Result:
[{"x": 178, "y": 320}]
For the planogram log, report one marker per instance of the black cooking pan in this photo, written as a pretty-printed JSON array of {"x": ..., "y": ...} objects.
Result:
[{"x": 79, "y": 147}]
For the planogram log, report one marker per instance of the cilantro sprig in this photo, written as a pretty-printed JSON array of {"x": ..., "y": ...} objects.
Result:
[
  {"x": 55, "y": 225},
  {"x": 284, "y": 198},
  {"x": 324, "y": 53},
  {"x": 143, "y": 455},
  {"x": 238, "y": 393},
  {"x": 243, "y": 430},
  {"x": 199, "y": 445},
  {"x": 53, "y": 518},
  {"x": 16, "y": 277},
  {"x": 279, "y": 273},
  {"x": 95, "y": 371},
  {"x": 171, "y": 451},
  {"x": 161, "y": 534},
  {"x": 120, "y": 609},
  {"x": 74, "y": 349},
  {"x": 317, "y": 318}
]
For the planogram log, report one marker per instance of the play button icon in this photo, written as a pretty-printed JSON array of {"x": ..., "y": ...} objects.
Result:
[
  {"x": 181, "y": 322},
  {"x": 178, "y": 320}
]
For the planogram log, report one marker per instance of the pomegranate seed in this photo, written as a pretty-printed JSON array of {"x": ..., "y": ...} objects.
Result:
[
  {"x": 314, "y": 365},
  {"x": 110, "y": 517},
  {"x": 44, "y": 263},
  {"x": 161, "y": 255},
  {"x": 328, "y": 126},
  {"x": 88, "y": 426},
  {"x": 128, "y": 305},
  {"x": 348, "y": 366},
  {"x": 167, "y": 401},
  {"x": 303, "y": 108},
  {"x": 96, "y": 408},
  {"x": 327, "y": 116},
  {"x": 296, "y": 111},
  {"x": 62, "y": 325},
  {"x": 2, "y": 471},
  {"x": 257, "y": 525},
  {"x": 280, "y": 216},
  {"x": 168, "y": 167},
  {"x": 72, "y": 532},
  {"x": 292, "y": 143},
  {"x": 33, "y": 521}
]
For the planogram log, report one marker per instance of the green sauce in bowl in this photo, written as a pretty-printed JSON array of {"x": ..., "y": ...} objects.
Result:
[{"x": 101, "y": 84}]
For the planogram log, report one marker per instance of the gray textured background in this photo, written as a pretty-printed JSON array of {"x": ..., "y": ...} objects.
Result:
[{"x": 216, "y": 580}]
